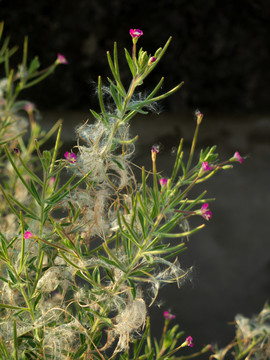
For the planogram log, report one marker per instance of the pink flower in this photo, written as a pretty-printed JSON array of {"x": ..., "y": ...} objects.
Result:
[
  {"x": 71, "y": 157},
  {"x": 206, "y": 213},
  {"x": 237, "y": 157},
  {"x": 135, "y": 33},
  {"x": 189, "y": 341},
  {"x": 206, "y": 167},
  {"x": 168, "y": 316},
  {"x": 28, "y": 235},
  {"x": 61, "y": 59},
  {"x": 163, "y": 181}
]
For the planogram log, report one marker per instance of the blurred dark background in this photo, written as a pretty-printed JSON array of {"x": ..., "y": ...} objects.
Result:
[{"x": 221, "y": 50}]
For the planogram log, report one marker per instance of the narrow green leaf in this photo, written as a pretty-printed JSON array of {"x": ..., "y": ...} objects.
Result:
[
  {"x": 104, "y": 118},
  {"x": 158, "y": 86},
  {"x": 117, "y": 163},
  {"x": 33, "y": 176},
  {"x": 15, "y": 339},
  {"x": 145, "y": 210},
  {"x": 12, "y": 277},
  {"x": 13, "y": 307},
  {"x": 96, "y": 115},
  {"x": 115, "y": 261},
  {"x": 114, "y": 96},
  {"x": 6, "y": 141},
  {"x": 118, "y": 89},
  {"x": 129, "y": 116},
  {"x": 141, "y": 220},
  {"x": 4, "y": 248},
  {"x": 163, "y": 96},
  {"x": 58, "y": 196},
  {"x": 110, "y": 262},
  {"x": 133, "y": 236},
  {"x": 142, "y": 341},
  {"x": 177, "y": 235},
  {"x": 20, "y": 176},
  {"x": 24, "y": 208},
  {"x": 34, "y": 65},
  {"x": 22, "y": 245},
  {"x": 175, "y": 253},
  {"x": 132, "y": 288},
  {"x": 3, "y": 350},
  {"x": 82, "y": 349},
  {"x": 56, "y": 147},
  {"x": 35, "y": 192},
  {"x": 130, "y": 63}
]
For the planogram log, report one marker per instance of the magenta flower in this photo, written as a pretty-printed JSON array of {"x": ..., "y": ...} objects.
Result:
[
  {"x": 168, "y": 315},
  {"x": 61, "y": 59},
  {"x": 135, "y": 33},
  {"x": 163, "y": 181},
  {"x": 237, "y": 157},
  {"x": 71, "y": 157},
  {"x": 28, "y": 235},
  {"x": 189, "y": 341},
  {"x": 206, "y": 166},
  {"x": 206, "y": 213}
]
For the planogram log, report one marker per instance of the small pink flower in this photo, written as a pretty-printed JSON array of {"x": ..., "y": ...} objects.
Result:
[
  {"x": 189, "y": 341},
  {"x": 17, "y": 151},
  {"x": 28, "y": 235},
  {"x": 71, "y": 157},
  {"x": 163, "y": 181},
  {"x": 206, "y": 166},
  {"x": 237, "y": 157},
  {"x": 206, "y": 213},
  {"x": 151, "y": 60},
  {"x": 61, "y": 59},
  {"x": 168, "y": 315},
  {"x": 135, "y": 33}
]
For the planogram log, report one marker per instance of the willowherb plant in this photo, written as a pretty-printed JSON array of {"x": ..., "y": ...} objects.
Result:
[{"x": 79, "y": 287}]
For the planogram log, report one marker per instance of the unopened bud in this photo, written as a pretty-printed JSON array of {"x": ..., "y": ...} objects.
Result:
[
  {"x": 199, "y": 116},
  {"x": 151, "y": 60}
]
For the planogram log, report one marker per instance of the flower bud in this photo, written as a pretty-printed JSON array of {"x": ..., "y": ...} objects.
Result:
[
  {"x": 151, "y": 60},
  {"x": 17, "y": 151}
]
